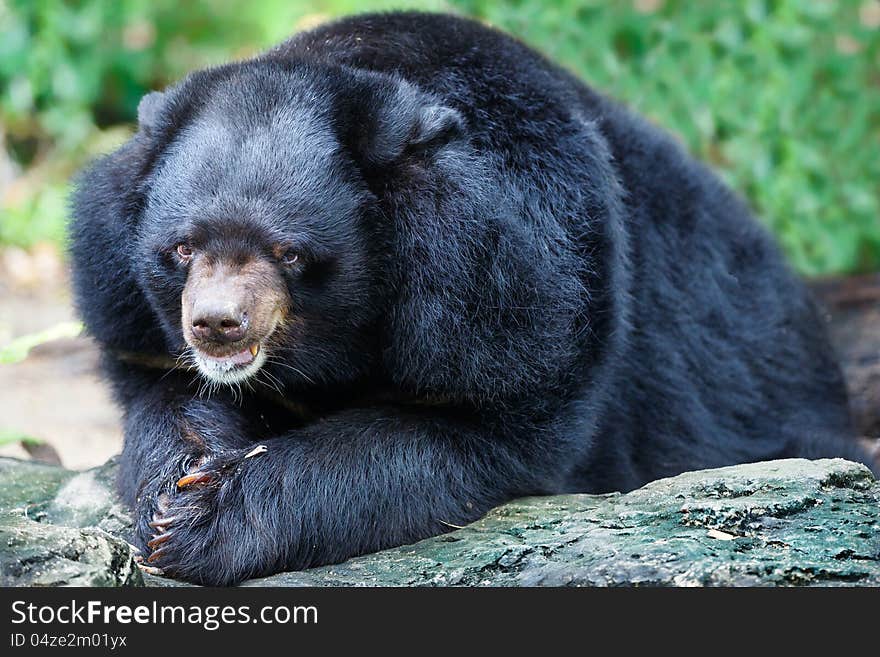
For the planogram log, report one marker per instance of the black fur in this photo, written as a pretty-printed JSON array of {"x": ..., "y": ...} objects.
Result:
[{"x": 511, "y": 286}]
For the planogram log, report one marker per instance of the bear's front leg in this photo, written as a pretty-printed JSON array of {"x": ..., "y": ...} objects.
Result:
[
  {"x": 356, "y": 482},
  {"x": 169, "y": 434}
]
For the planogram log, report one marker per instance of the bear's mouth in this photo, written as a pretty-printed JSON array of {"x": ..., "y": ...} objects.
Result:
[
  {"x": 243, "y": 357},
  {"x": 231, "y": 367}
]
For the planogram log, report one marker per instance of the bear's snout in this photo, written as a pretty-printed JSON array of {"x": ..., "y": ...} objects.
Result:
[
  {"x": 228, "y": 313},
  {"x": 218, "y": 303},
  {"x": 220, "y": 321}
]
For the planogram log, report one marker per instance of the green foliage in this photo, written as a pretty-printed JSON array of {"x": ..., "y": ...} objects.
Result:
[
  {"x": 69, "y": 65},
  {"x": 18, "y": 349},
  {"x": 10, "y": 437},
  {"x": 780, "y": 95}
]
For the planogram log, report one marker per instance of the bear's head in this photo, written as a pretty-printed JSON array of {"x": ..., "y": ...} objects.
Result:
[{"x": 260, "y": 238}]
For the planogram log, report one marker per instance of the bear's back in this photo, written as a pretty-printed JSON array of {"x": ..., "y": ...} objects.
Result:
[
  {"x": 504, "y": 88},
  {"x": 726, "y": 354}
]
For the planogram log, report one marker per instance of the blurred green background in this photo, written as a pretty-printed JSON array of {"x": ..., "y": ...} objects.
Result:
[{"x": 781, "y": 96}]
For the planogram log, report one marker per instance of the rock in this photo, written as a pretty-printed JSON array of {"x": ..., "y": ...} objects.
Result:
[
  {"x": 791, "y": 522},
  {"x": 62, "y": 528},
  {"x": 40, "y": 554}
]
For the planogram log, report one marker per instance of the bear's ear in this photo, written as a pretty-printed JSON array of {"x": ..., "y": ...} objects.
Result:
[
  {"x": 398, "y": 120},
  {"x": 435, "y": 123},
  {"x": 149, "y": 109}
]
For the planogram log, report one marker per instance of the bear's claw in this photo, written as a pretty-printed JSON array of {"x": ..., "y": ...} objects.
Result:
[
  {"x": 160, "y": 523},
  {"x": 194, "y": 478},
  {"x": 155, "y": 555},
  {"x": 158, "y": 540}
]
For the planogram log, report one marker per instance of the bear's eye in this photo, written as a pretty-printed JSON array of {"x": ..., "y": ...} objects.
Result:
[
  {"x": 290, "y": 258},
  {"x": 184, "y": 251}
]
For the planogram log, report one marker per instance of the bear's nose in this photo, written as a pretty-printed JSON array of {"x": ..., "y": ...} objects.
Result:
[{"x": 219, "y": 324}]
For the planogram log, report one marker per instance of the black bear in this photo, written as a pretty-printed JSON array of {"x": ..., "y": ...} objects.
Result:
[{"x": 401, "y": 269}]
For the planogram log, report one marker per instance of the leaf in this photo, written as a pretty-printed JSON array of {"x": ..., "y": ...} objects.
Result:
[
  {"x": 12, "y": 437},
  {"x": 18, "y": 349}
]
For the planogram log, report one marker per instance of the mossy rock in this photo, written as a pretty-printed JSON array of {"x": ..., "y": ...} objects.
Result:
[{"x": 788, "y": 523}]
